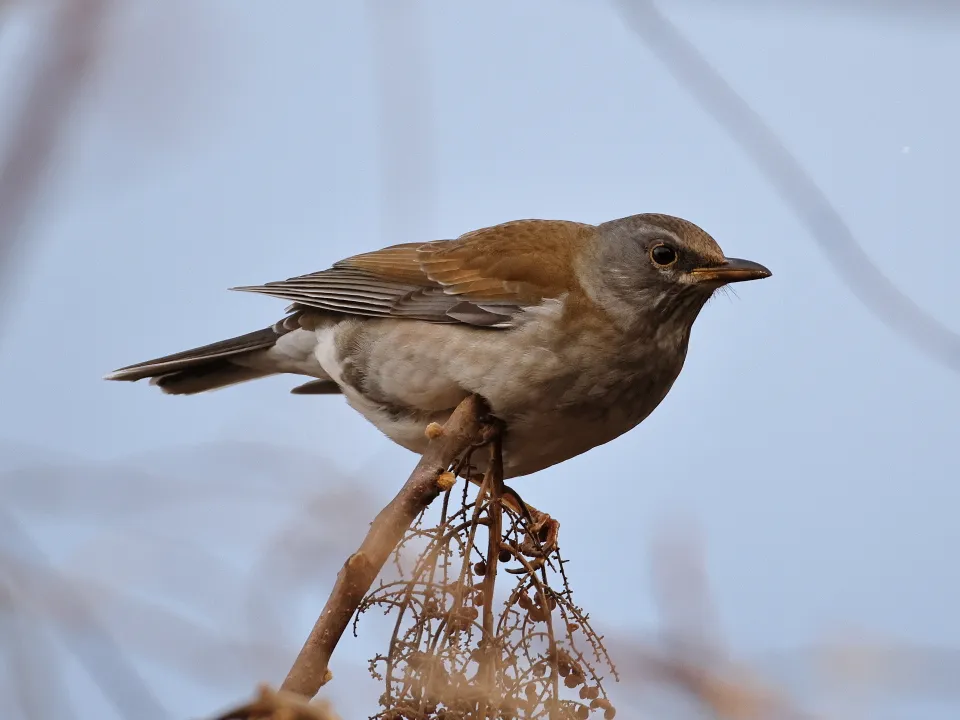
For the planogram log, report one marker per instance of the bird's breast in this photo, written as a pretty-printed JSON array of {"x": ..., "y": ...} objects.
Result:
[{"x": 561, "y": 389}]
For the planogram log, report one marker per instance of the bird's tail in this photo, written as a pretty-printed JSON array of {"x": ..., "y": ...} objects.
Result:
[{"x": 210, "y": 367}]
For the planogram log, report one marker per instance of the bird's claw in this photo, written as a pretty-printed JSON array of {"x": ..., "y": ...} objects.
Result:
[
  {"x": 490, "y": 428},
  {"x": 542, "y": 534}
]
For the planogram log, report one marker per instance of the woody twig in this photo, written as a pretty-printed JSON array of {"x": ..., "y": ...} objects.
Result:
[{"x": 310, "y": 670}]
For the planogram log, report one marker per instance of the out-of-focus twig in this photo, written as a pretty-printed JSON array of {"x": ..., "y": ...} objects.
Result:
[
  {"x": 97, "y": 651},
  {"x": 310, "y": 670},
  {"x": 34, "y": 681},
  {"x": 690, "y": 656},
  {"x": 795, "y": 187},
  {"x": 69, "y": 48},
  {"x": 271, "y": 705}
]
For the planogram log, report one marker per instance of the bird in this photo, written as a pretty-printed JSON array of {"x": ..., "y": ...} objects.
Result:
[{"x": 571, "y": 333}]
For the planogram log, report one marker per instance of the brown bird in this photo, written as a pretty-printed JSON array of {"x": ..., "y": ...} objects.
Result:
[{"x": 572, "y": 333}]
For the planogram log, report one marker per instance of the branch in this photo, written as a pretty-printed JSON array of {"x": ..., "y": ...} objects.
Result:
[
  {"x": 310, "y": 670},
  {"x": 270, "y": 705}
]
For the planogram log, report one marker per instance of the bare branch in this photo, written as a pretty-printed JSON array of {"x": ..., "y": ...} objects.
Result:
[{"x": 310, "y": 670}]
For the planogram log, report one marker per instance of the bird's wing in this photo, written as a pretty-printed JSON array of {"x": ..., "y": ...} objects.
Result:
[{"x": 482, "y": 278}]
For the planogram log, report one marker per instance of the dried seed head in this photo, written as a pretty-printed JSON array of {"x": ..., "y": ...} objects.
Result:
[
  {"x": 505, "y": 555},
  {"x": 480, "y": 568},
  {"x": 603, "y": 704},
  {"x": 446, "y": 480},
  {"x": 433, "y": 431}
]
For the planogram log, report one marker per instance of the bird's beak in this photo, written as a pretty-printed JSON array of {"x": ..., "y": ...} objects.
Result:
[{"x": 733, "y": 270}]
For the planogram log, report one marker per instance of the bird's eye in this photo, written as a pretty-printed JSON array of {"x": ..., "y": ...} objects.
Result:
[{"x": 663, "y": 255}]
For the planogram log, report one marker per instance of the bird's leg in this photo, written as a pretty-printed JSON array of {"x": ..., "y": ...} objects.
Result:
[
  {"x": 490, "y": 428},
  {"x": 542, "y": 530},
  {"x": 542, "y": 533},
  {"x": 517, "y": 504}
]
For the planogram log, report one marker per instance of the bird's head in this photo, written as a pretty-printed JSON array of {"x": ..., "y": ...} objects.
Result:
[{"x": 658, "y": 268}]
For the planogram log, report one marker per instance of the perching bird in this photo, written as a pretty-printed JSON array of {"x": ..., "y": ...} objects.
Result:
[{"x": 572, "y": 333}]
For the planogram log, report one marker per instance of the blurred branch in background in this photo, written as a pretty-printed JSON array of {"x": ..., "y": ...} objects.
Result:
[
  {"x": 795, "y": 187},
  {"x": 52, "y": 79},
  {"x": 150, "y": 578},
  {"x": 30, "y": 586},
  {"x": 860, "y": 677}
]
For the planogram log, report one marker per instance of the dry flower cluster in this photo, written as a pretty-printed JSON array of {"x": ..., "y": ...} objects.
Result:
[{"x": 459, "y": 649}]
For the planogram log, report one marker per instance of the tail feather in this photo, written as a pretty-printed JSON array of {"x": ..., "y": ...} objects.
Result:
[
  {"x": 204, "y": 368},
  {"x": 240, "y": 345},
  {"x": 229, "y": 362},
  {"x": 206, "y": 377}
]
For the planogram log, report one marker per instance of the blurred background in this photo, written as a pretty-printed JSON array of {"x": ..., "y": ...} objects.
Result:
[{"x": 160, "y": 555}]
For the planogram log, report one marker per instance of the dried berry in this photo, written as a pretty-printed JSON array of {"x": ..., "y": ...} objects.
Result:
[
  {"x": 505, "y": 555},
  {"x": 480, "y": 568},
  {"x": 537, "y": 614}
]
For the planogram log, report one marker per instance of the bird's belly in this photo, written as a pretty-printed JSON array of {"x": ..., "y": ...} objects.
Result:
[
  {"x": 556, "y": 402},
  {"x": 540, "y": 437},
  {"x": 553, "y": 433}
]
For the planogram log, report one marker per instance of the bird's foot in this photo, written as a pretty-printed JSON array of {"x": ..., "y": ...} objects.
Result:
[
  {"x": 490, "y": 428},
  {"x": 542, "y": 534}
]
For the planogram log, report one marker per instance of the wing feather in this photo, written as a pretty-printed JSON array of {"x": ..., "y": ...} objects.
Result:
[{"x": 483, "y": 278}]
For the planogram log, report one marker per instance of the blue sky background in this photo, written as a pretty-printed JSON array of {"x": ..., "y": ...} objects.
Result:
[{"x": 224, "y": 143}]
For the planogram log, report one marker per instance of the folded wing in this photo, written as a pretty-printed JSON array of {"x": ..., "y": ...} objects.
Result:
[{"x": 484, "y": 278}]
